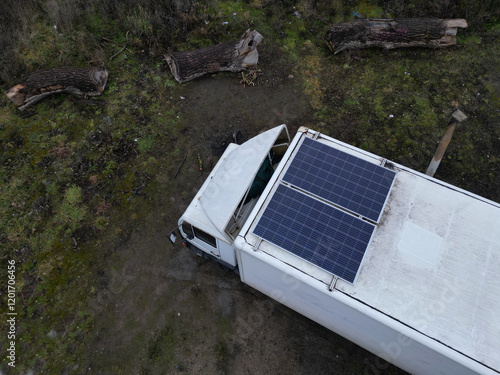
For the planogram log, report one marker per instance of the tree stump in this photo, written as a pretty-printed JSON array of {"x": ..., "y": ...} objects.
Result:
[
  {"x": 72, "y": 80},
  {"x": 393, "y": 33},
  {"x": 232, "y": 56}
]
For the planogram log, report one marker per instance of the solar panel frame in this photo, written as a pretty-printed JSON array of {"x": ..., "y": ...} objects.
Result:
[
  {"x": 341, "y": 178},
  {"x": 315, "y": 231}
]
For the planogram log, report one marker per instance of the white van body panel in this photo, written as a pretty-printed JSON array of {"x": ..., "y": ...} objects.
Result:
[
  {"x": 357, "y": 322},
  {"x": 426, "y": 293}
]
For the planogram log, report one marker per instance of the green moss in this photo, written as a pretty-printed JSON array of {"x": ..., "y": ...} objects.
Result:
[
  {"x": 161, "y": 347},
  {"x": 146, "y": 143},
  {"x": 368, "y": 10}
]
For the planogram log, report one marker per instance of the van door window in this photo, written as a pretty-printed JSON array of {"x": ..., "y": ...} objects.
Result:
[
  {"x": 205, "y": 237},
  {"x": 188, "y": 229}
]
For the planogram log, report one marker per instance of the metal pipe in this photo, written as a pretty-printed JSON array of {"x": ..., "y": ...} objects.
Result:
[{"x": 456, "y": 117}]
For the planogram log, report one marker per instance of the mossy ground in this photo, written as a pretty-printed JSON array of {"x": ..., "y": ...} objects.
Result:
[{"x": 88, "y": 194}]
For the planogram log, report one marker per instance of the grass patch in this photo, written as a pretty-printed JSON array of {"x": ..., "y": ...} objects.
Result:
[{"x": 161, "y": 346}]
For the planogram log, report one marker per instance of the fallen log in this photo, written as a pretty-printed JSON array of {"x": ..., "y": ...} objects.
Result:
[
  {"x": 232, "y": 56},
  {"x": 393, "y": 33},
  {"x": 72, "y": 80}
]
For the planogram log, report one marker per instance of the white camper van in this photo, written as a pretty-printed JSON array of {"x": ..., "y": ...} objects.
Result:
[{"x": 398, "y": 262}]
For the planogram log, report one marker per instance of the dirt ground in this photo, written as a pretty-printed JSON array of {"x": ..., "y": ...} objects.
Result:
[{"x": 163, "y": 310}]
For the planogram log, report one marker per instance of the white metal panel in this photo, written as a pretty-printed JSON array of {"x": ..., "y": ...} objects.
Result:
[
  {"x": 195, "y": 214},
  {"x": 350, "y": 318},
  {"x": 227, "y": 253},
  {"x": 224, "y": 188},
  {"x": 227, "y": 186},
  {"x": 446, "y": 283}
]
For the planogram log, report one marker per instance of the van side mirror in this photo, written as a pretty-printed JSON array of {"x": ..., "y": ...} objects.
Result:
[{"x": 173, "y": 238}]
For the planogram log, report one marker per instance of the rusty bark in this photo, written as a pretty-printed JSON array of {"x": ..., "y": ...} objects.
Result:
[
  {"x": 393, "y": 33},
  {"x": 42, "y": 83},
  {"x": 232, "y": 56}
]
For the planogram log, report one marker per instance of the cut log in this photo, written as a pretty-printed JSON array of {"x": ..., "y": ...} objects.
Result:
[
  {"x": 393, "y": 33},
  {"x": 72, "y": 80},
  {"x": 232, "y": 56}
]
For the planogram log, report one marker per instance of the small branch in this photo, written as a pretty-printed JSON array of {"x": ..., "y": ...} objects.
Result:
[
  {"x": 201, "y": 162},
  {"x": 116, "y": 54},
  {"x": 90, "y": 101},
  {"x": 124, "y": 46},
  {"x": 22, "y": 297},
  {"x": 180, "y": 166},
  {"x": 118, "y": 44}
]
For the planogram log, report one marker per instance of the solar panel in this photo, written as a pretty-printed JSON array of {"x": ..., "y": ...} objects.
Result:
[
  {"x": 343, "y": 179},
  {"x": 315, "y": 231}
]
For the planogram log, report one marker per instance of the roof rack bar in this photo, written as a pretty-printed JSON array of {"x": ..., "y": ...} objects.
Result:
[
  {"x": 242, "y": 203},
  {"x": 331, "y": 287},
  {"x": 281, "y": 144},
  {"x": 257, "y": 244}
]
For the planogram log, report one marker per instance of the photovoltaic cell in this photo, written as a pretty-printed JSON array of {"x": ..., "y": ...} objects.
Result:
[
  {"x": 315, "y": 231},
  {"x": 343, "y": 179}
]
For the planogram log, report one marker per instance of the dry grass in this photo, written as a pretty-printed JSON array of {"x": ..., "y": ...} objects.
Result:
[{"x": 38, "y": 34}]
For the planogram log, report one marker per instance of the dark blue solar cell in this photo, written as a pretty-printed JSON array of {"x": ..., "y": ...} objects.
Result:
[
  {"x": 315, "y": 231},
  {"x": 341, "y": 178}
]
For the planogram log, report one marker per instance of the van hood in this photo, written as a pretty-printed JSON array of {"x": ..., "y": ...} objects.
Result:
[{"x": 227, "y": 184}]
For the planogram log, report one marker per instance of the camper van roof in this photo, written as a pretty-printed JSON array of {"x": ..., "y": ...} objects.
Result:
[{"x": 432, "y": 263}]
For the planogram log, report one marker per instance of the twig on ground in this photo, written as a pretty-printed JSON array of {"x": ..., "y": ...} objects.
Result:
[
  {"x": 250, "y": 78},
  {"x": 118, "y": 44},
  {"x": 200, "y": 161},
  {"x": 180, "y": 166},
  {"x": 124, "y": 46},
  {"x": 90, "y": 101}
]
